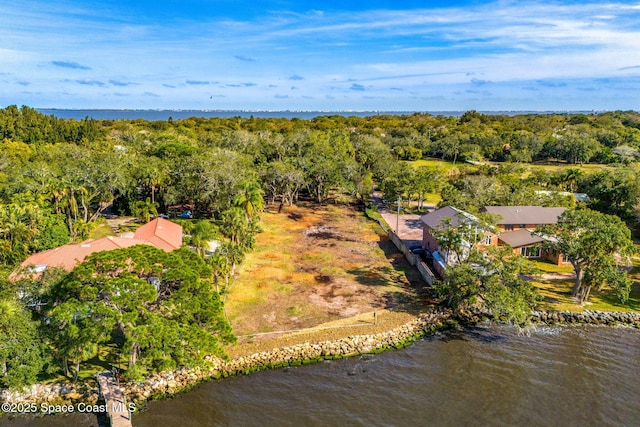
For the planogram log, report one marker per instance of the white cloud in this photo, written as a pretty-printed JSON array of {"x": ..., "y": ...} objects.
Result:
[{"x": 412, "y": 50}]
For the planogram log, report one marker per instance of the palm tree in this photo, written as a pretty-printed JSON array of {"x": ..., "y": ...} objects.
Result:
[
  {"x": 57, "y": 192},
  {"x": 234, "y": 224},
  {"x": 153, "y": 176},
  {"x": 570, "y": 178},
  {"x": 250, "y": 199},
  {"x": 144, "y": 210},
  {"x": 9, "y": 310},
  {"x": 224, "y": 263},
  {"x": 18, "y": 227},
  {"x": 221, "y": 266},
  {"x": 202, "y": 233}
]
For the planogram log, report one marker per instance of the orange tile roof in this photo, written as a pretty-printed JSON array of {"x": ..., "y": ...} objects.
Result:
[
  {"x": 160, "y": 233},
  {"x": 68, "y": 256}
]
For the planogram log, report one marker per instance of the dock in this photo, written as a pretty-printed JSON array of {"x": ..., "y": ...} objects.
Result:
[{"x": 117, "y": 408}]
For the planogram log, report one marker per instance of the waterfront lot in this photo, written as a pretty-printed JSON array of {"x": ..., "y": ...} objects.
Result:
[{"x": 316, "y": 264}]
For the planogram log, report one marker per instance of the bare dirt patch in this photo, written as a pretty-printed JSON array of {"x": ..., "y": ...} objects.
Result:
[
  {"x": 315, "y": 264},
  {"x": 342, "y": 298}
]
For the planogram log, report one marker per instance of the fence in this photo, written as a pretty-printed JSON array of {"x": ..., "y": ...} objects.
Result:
[{"x": 413, "y": 259}]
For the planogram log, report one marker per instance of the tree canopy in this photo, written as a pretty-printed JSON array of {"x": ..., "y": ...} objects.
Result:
[
  {"x": 596, "y": 244},
  {"x": 160, "y": 307},
  {"x": 490, "y": 279}
]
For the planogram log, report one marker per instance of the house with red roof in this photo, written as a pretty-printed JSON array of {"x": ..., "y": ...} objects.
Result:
[{"x": 161, "y": 233}]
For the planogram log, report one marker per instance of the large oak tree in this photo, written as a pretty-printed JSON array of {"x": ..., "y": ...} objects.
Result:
[{"x": 596, "y": 244}]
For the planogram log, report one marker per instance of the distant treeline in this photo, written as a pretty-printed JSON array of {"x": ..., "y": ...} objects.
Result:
[
  {"x": 75, "y": 169},
  {"x": 576, "y": 138}
]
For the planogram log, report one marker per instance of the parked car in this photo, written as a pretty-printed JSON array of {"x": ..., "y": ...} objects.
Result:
[
  {"x": 417, "y": 250},
  {"x": 186, "y": 214}
]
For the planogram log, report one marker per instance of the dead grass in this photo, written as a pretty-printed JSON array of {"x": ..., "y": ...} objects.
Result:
[
  {"x": 316, "y": 264},
  {"x": 121, "y": 223},
  {"x": 549, "y": 166}
]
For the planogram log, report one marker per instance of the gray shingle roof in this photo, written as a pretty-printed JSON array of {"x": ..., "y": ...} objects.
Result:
[
  {"x": 526, "y": 214},
  {"x": 438, "y": 217},
  {"x": 519, "y": 238}
]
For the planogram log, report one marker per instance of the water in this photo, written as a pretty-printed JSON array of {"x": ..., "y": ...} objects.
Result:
[
  {"x": 487, "y": 376},
  {"x": 183, "y": 114}
]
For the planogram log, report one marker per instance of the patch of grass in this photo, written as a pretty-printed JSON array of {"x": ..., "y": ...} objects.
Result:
[
  {"x": 325, "y": 258},
  {"x": 429, "y": 162},
  {"x": 432, "y": 198},
  {"x": 106, "y": 358},
  {"x": 448, "y": 166},
  {"x": 101, "y": 230},
  {"x": 558, "y": 166},
  {"x": 294, "y": 311},
  {"x": 557, "y": 297},
  {"x": 285, "y": 289},
  {"x": 549, "y": 267}
]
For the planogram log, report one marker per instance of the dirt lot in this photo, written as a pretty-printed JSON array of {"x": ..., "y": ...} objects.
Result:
[{"x": 316, "y": 264}]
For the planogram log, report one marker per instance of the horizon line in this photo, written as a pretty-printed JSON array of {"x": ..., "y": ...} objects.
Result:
[{"x": 325, "y": 111}]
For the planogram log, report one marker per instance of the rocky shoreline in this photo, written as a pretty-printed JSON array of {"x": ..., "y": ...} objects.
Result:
[{"x": 166, "y": 384}]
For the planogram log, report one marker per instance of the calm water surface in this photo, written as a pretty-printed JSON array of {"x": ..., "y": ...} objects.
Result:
[
  {"x": 306, "y": 115},
  {"x": 486, "y": 376}
]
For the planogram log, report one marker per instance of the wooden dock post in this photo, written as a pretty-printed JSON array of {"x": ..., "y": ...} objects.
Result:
[{"x": 117, "y": 408}]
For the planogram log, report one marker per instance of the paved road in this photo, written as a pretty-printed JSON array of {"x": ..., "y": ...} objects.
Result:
[{"x": 410, "y": 225}]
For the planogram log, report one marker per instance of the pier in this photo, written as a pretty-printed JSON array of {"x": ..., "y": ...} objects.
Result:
[{"x": 117, "y": 408}]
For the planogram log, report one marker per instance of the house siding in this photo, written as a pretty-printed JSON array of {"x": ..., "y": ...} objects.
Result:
[{"x": 428, "y": 241}]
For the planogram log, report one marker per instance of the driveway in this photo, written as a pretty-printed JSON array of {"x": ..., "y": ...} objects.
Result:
[{"x": 410, "y": 226}]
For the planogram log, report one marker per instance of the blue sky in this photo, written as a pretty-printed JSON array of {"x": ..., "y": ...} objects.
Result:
[{"x": 329, "y": 55}]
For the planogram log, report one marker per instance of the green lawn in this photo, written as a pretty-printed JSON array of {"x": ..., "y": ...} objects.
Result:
[
  {"x": 444, "y": 164},
  {"x": 102, "y": 230},
  {"x": 557, "y": 297},
  {"x": 105, "y": 359},
  {"x": 547, "y": 267},
  {"x": 432, "y": 198},
  {"x": 547, "y": 166}
]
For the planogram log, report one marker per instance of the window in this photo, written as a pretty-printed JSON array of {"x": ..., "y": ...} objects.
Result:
[
  {"x": 488, "y": 239},
  {"x": 531, "y": 251},
  {"x": 508, "y": 227}
]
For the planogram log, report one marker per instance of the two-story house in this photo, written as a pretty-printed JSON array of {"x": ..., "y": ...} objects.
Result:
[
  {"x": 515, "y": 228},
  {"x": 516, "y": 225}
]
